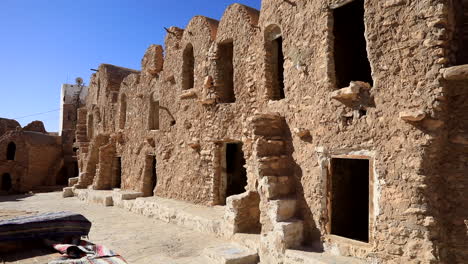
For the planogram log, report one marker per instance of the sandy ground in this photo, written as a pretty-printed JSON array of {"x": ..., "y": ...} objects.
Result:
[{"x": 137, "y": 238}]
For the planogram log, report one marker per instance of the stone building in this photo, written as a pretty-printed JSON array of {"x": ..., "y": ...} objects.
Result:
[
  {"x": 72, "y": 97},
  {"x": 30, "y": 158},
  {"x": 333, "y": 125}
]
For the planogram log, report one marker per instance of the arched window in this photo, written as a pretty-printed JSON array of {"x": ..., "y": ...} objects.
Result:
[
  {"x": 188, "y": 68},
  {"x": 11, "y": 151},
  {"x": 123, "y": 111},
  {"x": 6, "y": 182},
  {"x": 225, "y": 71},
  {"x": 153, "y": 115},
  {"x": 274, "y": 63}
]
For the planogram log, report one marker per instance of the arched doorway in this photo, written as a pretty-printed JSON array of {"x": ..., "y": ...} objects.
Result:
[
  {"x": 11, "y": 151},
  {"x": 6, "y": 182}
]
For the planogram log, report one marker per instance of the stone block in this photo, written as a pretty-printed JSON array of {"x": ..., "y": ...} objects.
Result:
[
  {"x": 275, "y": 186},
  {"x": 231, "y": 254},
  {"x": 302, "y": 257},
  {"x": 350, "y": 93},
  {"x": 456, "y": 73},
  {"x": 67, "y": 192},
  {"x": 72, "y": 181},
  {"x": 412, "y": 116},
  {"x": 281, "y": 209},
  {"x": 290, "y": 233}
]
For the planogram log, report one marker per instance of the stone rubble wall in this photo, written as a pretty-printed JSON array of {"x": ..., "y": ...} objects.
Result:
[{"x": 413, "y": 129}]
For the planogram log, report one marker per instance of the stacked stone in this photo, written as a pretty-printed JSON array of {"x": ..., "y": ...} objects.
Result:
[{"x": 281, "y": 229}]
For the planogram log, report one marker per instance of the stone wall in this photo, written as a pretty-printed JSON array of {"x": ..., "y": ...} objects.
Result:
[
  {"x": 407, "y": 121},
  {"x": 30, "y": 160}
]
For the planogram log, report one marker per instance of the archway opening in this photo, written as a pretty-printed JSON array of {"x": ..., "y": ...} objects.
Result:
[
  {"x": 188, "y": 68},
  {"x": 6, "y": 182}
]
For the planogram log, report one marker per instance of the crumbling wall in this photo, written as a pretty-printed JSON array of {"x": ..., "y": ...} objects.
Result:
[
  {"x": 8, "y": 124},
  {"x": 35, "y": 126}
]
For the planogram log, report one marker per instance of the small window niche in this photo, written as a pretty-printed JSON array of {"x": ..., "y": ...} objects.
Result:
[
  {"x": 225, "y": 65},
  {"x": 349, "y": 198},
  {"x": 123, "y": 111},
  {"x": 350, "y": 46},
  {"x": 274, "y": 63},
  {"x": 11, "y": 151},
  {"x": 153, "y": 115},
  {"x": 188, "y": 68}
]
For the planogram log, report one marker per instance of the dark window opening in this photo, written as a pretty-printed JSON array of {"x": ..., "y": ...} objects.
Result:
[
  {"x": 6, "y": 182},
  {"x": 236, "y": 174},
  {"x": 350, "y": 53},
  {"x": 274, "y": 63},
  {"x": 188, "y": 68},
  {"x": 153, "y": 119},
  {"x": 154, "y": 176},
  {"x": 278, "y": 47},
  {"x": 350, "y": 198},
  {"x": 226, "y": 72},
  {"x": 362, "y": 112},
  {"x": 11, "y": 151},
  {"x": 117, "y": 172},
  {"x": 461, "y": 8}
]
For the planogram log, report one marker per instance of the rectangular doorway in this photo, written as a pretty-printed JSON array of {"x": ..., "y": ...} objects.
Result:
[
  {"x": 117, "y": 172},
  {"x": 349, "y": 198},
  {"x": 154, "y": 176},
  {"x": 235, "y": 172}
]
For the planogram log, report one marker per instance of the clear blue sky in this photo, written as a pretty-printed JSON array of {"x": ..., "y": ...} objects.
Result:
[{"x": 44, "y": 43}]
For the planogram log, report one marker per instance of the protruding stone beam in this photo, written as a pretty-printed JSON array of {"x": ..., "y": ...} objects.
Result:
[
  {"x": 302, "y": 132},
  {"x": 412, "y": 116},
  {"x": 456, "y": 73},
  {"x": 188, "y": 94},
  {"x": 350, "y": 93}
]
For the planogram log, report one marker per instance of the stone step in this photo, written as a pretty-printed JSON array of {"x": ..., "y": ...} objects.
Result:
[
  {"x": 93, "y": 196},
  {"x": 291, "y": 232},
  {"x": 192, "y": 216},
  {"x": 281, "y": 209},
  {"x": 231, "y": 254},
  {"x": 275, "y": 165},
  {"x": 302, "y": 257},
  {"x": 276, "y": 186},
  {"x": 125, "y": 199},
  {"x": 270, "y": 147},
  {"x": 268, "y": 125}
]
